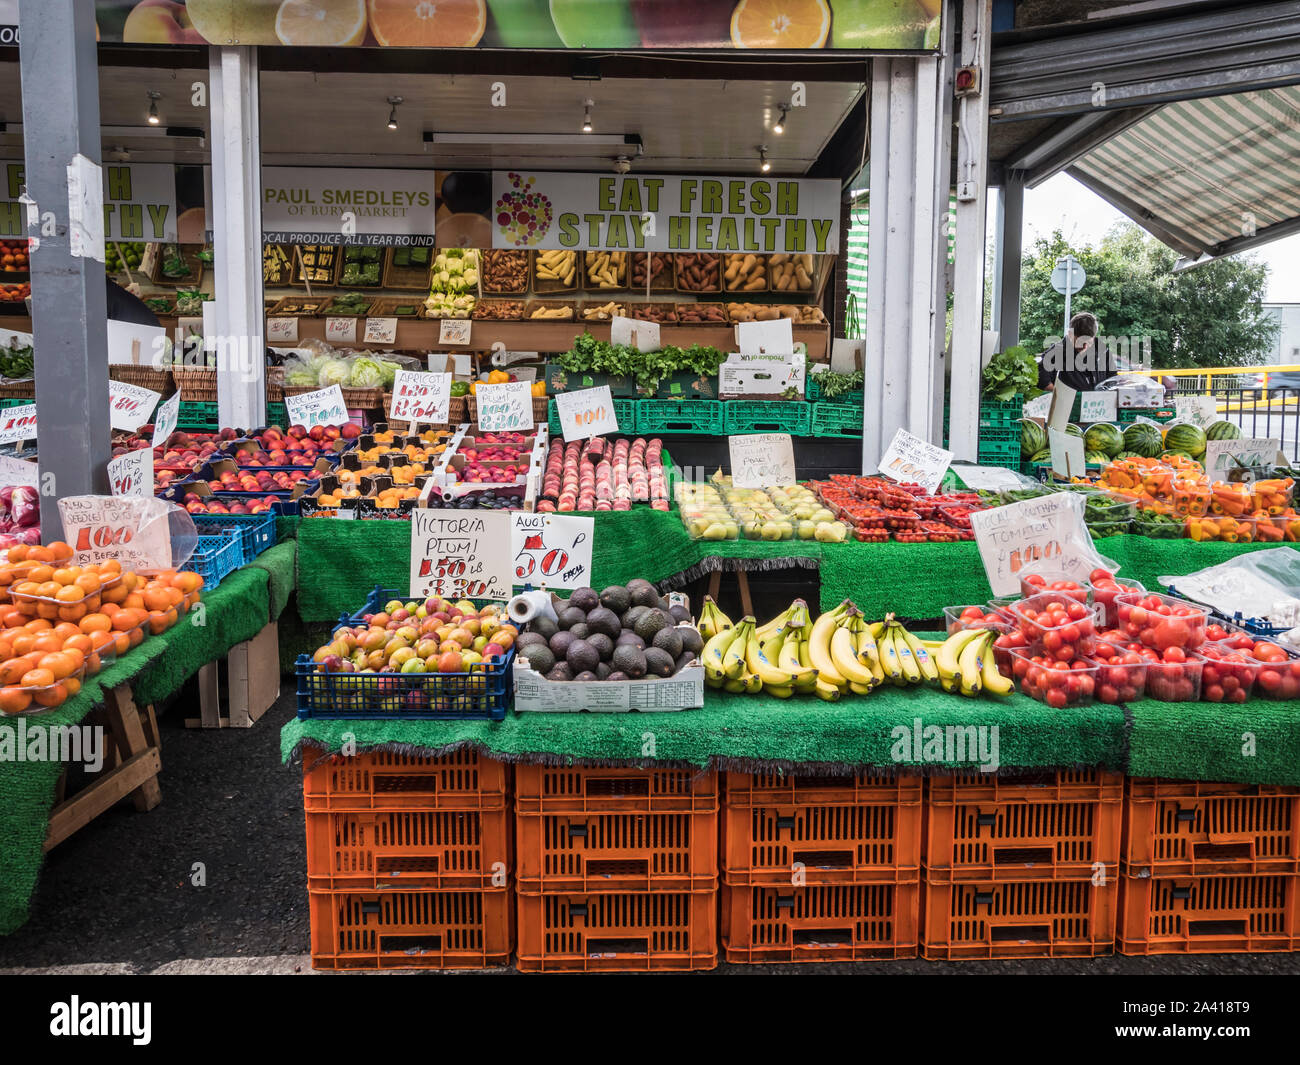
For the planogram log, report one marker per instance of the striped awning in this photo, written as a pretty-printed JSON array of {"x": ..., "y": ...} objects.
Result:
[{"x": 1203, "y": 172}]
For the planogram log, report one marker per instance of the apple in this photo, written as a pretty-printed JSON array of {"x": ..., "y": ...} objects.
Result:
[
  {"x": 413, "y": 665},
  {"x": 450, "y": 662}
]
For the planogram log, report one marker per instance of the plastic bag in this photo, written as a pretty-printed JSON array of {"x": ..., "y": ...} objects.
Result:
[
  {"x": 144, "y": 534},
  {"x": 1262, "y": 584}
]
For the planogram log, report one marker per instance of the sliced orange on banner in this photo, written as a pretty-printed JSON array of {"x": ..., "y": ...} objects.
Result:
[
  {"x": 785, "y": 24},
  {"x": 427, "y": 23},
  {"x": 321, "y": 23}
]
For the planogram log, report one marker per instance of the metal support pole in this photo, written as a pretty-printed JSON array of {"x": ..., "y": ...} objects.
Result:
[
  {"x": 60, "y": 80},
  {"x": 1006, "y": 298},
  {"x": 906, "y": 249},
  {"x": 237, "y": 237},
  {"x": 972, "y": 199}
]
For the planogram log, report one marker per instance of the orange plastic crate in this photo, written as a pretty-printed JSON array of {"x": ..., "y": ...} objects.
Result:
[
  {"x": 579, "y": 789},
  {"x": 1047, "y": 786},
  {"x": 356, "y": 850},
  {"x": 1209, "y": 914},
  {"x": 1188, "y": 827},
  {"x": 646, "y": 931},
  {"x": 822, "y": 844},
  {"x": 625, "y": 852},
  {"x": 411, "y": 929},
  {"x": 1021, "y": 840},
  {"x": 819, "y": 922},
  {"x": 382, "y": 780},
  {"x": 1019, "y": 919},
  {"x": 769, "y": 789}
]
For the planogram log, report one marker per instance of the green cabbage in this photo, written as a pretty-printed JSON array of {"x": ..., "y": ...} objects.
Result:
[
  {"x": 333, "y": 372},
  {"x": 388, "y": 372},
  {"x": 366, "y": 373}
]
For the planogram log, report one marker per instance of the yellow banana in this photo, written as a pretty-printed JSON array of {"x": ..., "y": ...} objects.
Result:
[
  {"x": 846, "y": 660},
  {"x": 991, "y": 677},
  {"x": 778, "y": 622},
  {"x": 947, "y": 657},
  {"x": 714, "y": 650},
  {"x": 867, "y": 649},
  {"x": 971, "y": 663},
  {"x": 860, "y": 689},
  {"x": 760, "y": 664},
  {"x": 819, "y": 649},
  {"x": 829, "y": 692},
  {"x": 753, "y": 683},
  {"x": 781, "y": 691},
  {"x": 923, "y": 657},
  {"x": 911, "y": 670},
  {"x": 805, "y": 681},
  {"x": 713, "y": 620},
  {"x": 890, "y": 661},
  {"x": 733, "y": 661}
]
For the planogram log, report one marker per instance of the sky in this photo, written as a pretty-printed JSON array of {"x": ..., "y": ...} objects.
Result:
[{"x": 1081, "y": 215}]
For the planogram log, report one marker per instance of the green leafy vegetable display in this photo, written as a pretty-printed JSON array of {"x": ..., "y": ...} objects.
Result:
[
  {"x": 646, "y": 368},
  {"x": 16, "y": 361},
  {"x": 834, "y": 384},
  {"x": 1010, "y": 373}
]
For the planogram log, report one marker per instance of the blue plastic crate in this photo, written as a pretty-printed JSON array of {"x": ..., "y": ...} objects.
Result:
[
  {"x": 256, "y": 532},
  {"x": 484, "y": 693},
  {"x": 215, "y": 558}
]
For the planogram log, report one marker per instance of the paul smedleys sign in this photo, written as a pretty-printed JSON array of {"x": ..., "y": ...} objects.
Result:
[{"x": 306, "y": 205}]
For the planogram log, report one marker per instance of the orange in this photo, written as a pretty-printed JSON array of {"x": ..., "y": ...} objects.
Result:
[
  {"x": 126, "y": 619},
  {"x": 55, "y": 696},
  {"x": 25, "y": 588},
  {"x": 77, "y": 655},
  {"x": 93, "y": 664},
  {"x": 121, "y": 643},
  {"x": 60, "y": 665},
  {"x": 37, "y": 678},
  {"x": 157, "y": 622},
  {"x": 156, "y": 599},
  {"x": 11, "y": 672},
  {"x": 419, "y": 24},
  {"x": 14, "y": 700},
  {"x": 78, "y": 641},
  {"x": 102, "y": 640},
  {"x": 37, "y": 625},
  {"x": 65, "y": 630},
  {"x": 785, "y": 24},
  {"x": 47, "y": 645},
  {"x": 96, "y": 623},
  {"x": 60, "y": 551},
  {"x": 134, "y": 601},
  {"x": 110, "y": 567},
  {"x": 40, "y": 554},
  {"x": 89, "y": 582},
  {"x": 136, "y": 636},
  {"x": 73, "y": 685},
  {"x": 24, "y": 643},
  {"x": 187, "y": 582},
  {"x": 67, "y": 575},
  {"x": 18, "y": 553},
  {"x": 70, "y": 593},
  {"x": 13, "y": 618},
  {"x": 6, "y": 649},
  {"x": 110, "y": 610},
  {"x": 50, "y": 589},
  {"x": 41, "y": 574}
]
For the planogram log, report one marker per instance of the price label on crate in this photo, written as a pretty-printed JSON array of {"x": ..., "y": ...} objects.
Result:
[
  {"x": 911, "y": 460},
  {"x": 132, "y": 474},
  {"x": 165, "y": 419},
  {"x": 325, "y": 406},
  {"x": 281, "y": 330},
  {"x": 634, "y": 333},
  {"x": 1067, "y": 454},
  {"x": 505, "y": 407},
  {"x": 18, "y": 423},
  {"x": 587, "y": 412},
  {"x": 381, "y": 331},
  {"x": 1201, "y": 411},
  {"x": 762, "y": 460},
  {"x": 1098, "y": 407},
  {"x": 341, "y": 330},
  {"x": 454, "y": 330},
  {"x": 130, "y": 406},
  {"x": 135, "y": 531},
  {"x": 460, "y": 554},
  {"x": 420, "y": 397}
]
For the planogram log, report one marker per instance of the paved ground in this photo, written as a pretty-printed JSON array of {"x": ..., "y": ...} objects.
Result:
[{"x": 117, "y": 897}]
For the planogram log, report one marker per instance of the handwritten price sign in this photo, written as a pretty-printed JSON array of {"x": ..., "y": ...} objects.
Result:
[
  {"x": 454, "y": 330},
  {"x": 585, "y": 413},
  {"x": 420, "y": 397},
  {"x": 551, "y": 550},
  {"x": 1033, "y": 530},
  {"x": 135, "y": 531},
  {"x": 505, "y": 407},
  {"x": 911, "y": 460},
  {"x": 18, "y": 423},
  {"x": 130, "y": 406},
  {"x": 762, "y": 460},
  {"x": 325, "y": 406},
  {"x": 132, "y": 474},
  {"x": 341, "y": 330},
  {"x": 164, "y": 423},
  {"x": 381, "y": 330},
  {"x": 281, "y": 330},
  {"x": 459, "y": 555}
]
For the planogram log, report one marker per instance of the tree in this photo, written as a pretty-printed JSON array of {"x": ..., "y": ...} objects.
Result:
[{"x": 1209, "y": 315}]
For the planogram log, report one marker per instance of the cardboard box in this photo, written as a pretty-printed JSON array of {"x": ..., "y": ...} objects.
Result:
[
  {"x": 762, "y": 377},
  {"x": 682, "y": 691}
]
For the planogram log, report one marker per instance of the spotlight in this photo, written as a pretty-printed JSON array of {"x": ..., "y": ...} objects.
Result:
[
  {"x": 763, "y": 164},
  {"x": 154, "y": 97},
  {"x": 779, "y": 128},
  {"x": 586, "y": 116},
  {"x": 392, "y": 114}
]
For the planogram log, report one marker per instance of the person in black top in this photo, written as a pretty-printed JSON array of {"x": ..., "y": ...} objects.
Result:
[
  {"x": 1091, "y": 364},
  {"x": 124, "y": 307}
]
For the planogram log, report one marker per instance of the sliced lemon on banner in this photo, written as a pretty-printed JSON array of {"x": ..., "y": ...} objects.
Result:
[
  {"x": 321, "y": 23},
  {"x": 428, "y": 23},
  {"x": 786, "y": 24}
]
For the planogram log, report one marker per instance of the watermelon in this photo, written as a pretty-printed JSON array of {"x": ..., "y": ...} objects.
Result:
[
  {"x": 1223, "y": 431},
  {"x": 1042, "y": 457},
  {"x": 1128, "y": 455},
  {"x": 1033, "y": 437},
  {"x": 1105, "y": 438},
  {"x": 1186, "y": 438},
  {"x": 1096, "y": 458},
  {"x": 1073, "y": 430},
  {"x": 1143, "y": 439}
]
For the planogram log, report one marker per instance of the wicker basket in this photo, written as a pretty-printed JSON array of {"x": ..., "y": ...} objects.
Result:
[
  {"x": 541, "y": 409},
  {"x": 458, "y": 410},
  {"x": 144, "y": 377},
  {"x": 18, "y": 389},
  {"x": 195, "y": 385}
]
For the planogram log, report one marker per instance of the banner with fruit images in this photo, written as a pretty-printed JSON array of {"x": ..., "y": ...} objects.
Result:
[
  {"x": 664, "y": 212},
  {"x": 782, "y": 25}
]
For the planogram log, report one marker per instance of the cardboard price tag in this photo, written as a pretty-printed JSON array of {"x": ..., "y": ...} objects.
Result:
[
  {"x": 18, "y": 423},
  {"x": 1020, "y": 534},
  {"x": 1039, "y": 406},
  {"x": 165, "y": 418},
  {"x": 990, "y": 478},
  {"x": 1067, "y": 454},
  {"x": 762, "y": 460},
  {"x": 1223, "y": 455},
  {"x": 132, "y": 474},
  {"x": 130, "y": 406},
  {"x": 458, "y": 555},
  {"x": 504, "y": 407},
  {"x": 381, "y": 331},
  {"x": 20, "y": 473},
  {"x": 341, "y": 330},
  {"x": 585, "y": 413},
  {"x": 325, "y": 406},
  {"x": 135, "y": 531},
  {"x": 1098, "y": 407},
  {"x": 281, "y": 330},
  {"x": 454, "y": 330},
  {"x": 1062, "y": 404},
  {"x": 1201, "y": 411},
  {"x": 551, "y": 550},
  {"x": 634, "y": 333},
  {"x": 911, "y": 460},
  {"x": 420, "y": 397}
]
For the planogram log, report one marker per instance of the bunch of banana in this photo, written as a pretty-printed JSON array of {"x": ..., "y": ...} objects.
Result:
[
  {"x": 712, "y": 620},
  {"x": 965, "y": 663},
  {"x": 556, "y": 265}
]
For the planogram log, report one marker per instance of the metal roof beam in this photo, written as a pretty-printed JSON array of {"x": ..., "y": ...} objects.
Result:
[
  {"x": 1254, "y": 46},
  {"x": 1267, "y": 235},
  {"x": 1178, "y": 239},
  {"x": 1070, "y": 140}
]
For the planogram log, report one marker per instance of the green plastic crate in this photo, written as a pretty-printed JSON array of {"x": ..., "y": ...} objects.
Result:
[
  {"x": 683, "y": 386},
  {"x": 277, "y": 414},
  {"x": 768, "y": 416},
  {"x": 1001, "y": 414},
  {"x": 813, "y": 387},
  {"x": 837, "y": 419},
  {"x": 560, "y": 380},
  {"x": 624, "y": 411},
  {"x": 703, "y": 416},
  {"x": 1157, "y": 414},
  {"x": 5, "y": 404},
  {"x": 198, "y": 416}
]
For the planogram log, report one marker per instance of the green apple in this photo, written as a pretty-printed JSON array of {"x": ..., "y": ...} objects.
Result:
[{"x": 413, "y": 665}]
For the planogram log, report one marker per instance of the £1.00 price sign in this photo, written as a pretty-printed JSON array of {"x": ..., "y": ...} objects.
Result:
[
  {"x": 587, "y": 412},
  {"x": 133, "y": 530},
  {"x": 18, "y": 423},
  {"x": 420, "y": 397}
]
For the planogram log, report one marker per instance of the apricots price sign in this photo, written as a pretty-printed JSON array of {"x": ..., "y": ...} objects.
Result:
[
  {"x": 325, "y": 406},
  {"x": 132, "y": 474},
  {"x": 911, "y": 460},
  {"x": 460, "y": 555},
  {"x": 585, "y": 413},
  {"x": 420, "y": 397},
  {"x": 135, "y": 531},
  {"x": 1033, "y": 530}
]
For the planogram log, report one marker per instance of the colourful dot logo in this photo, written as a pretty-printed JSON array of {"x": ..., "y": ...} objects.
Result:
[{"x": 523, "y": 216}]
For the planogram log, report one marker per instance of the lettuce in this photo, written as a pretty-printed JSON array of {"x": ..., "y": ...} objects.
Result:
[
  {"x": 333, "y": 372},
  {"x": 366, "y": 373}
]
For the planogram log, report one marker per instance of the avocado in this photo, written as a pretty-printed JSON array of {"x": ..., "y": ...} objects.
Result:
[
  {"x": 539, "y": 656},
  {"x": 691, "y": 639},
  {"x": 580, "y": 631},
  {"x": 602, "y": 619},
  {"x": 586, "y": 676},
  {"x": 627, "y": 636},
  {"x": 658, "y": 662},
  {"x": 603, "y": 644},
  {"x": 679, "y": 613},
  {"x": 643, "y": 593},
  {"x": 559, "y": 643},
  {"x": 668, "y": 640},
  {"x": 629, "y": 660},
  {"x": 560, "y": 672},
  {"x": 603, "y": 671},
  {"x": 525, "y": 638},
  {"x": 683, "y": 660},
  {"x": 571, "y": 616},
  {"x": 581, "y": 656},
  {"x": 616, "y": 598},
  {"x": 544, "y": 627},
  {"x": 616, "y": 675},
  {"x": 585, "y": 599},
  {"x": 633, "y": 615},
  {"x": 651, "y": 622}
]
